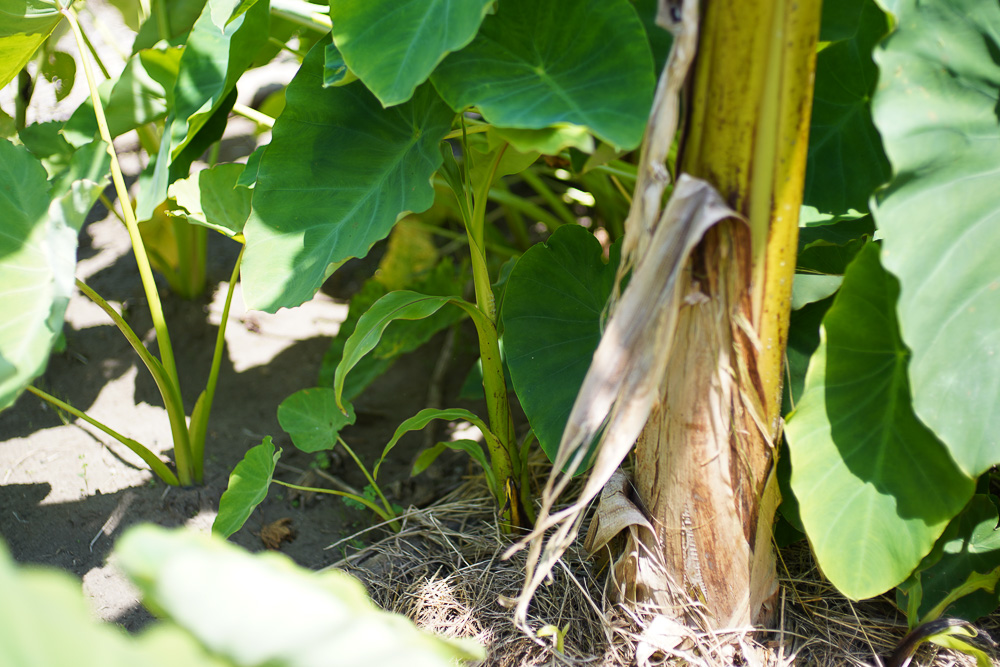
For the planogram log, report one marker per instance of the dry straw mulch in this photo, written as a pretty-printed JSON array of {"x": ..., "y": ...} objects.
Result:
[{"x": 444, "y": 570}]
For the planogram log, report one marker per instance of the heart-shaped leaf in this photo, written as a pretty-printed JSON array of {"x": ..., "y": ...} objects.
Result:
[
  {"x": 940, "y": 215},
  {"x": 552, "y": 313},
  {"x": 875, "y": 487},
  {"x": 333, "y": 181},
  {"x": 312, "y": 418},
  {"x": 394, "y": 45},
  {"x": 538, "y": 64}
]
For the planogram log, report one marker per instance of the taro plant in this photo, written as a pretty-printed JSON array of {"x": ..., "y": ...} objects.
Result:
[
  {"x": 171, "y": 91},
  {"x": 375, "y": 119}
]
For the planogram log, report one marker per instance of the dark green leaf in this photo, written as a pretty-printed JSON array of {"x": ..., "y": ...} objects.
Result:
[
  {"x": 336, "y": 175},
  {"x": 539, "y": 64},
  {"x": 552, "y": 315},
  {"x": 971, "y": 543},
  {"x": 846, "y": 162},
  {"x": 394, "y": 45}
]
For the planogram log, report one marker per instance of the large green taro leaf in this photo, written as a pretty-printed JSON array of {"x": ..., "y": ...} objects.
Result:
[
  {"x": 24, "y": 25},
  {"x": 940, "y": 216},
  {"x": 537, "y": 64},
  {"x": 37, "y": 261},
  {"x": 846, "y": 162},
  {"x": 338, "y": 172},
  {"x": 394, "y": 45},
  {"x": 552, "y": 312},
  {"x": 875, "y": 487}
]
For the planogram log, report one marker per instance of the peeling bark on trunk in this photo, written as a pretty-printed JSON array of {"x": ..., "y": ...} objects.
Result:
[
  {"x": 702, "y": 455},
  {"x": 704, "y": 462}
]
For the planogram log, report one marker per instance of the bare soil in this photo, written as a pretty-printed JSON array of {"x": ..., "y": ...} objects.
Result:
[{"x": 67, "y": 491}]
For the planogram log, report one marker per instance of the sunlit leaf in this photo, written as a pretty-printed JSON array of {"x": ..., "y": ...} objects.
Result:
[
  {"x": 875, "y": 487},
  {"x": 37, "y": 263},
  {"x": 940, "y": 215},
  {"x": 334, "y": 179},
  {"x": 212, "y": 199},
  {"x": 394, "y": 45},
  {"x": 25, "y": 25},
  {"x": 539, "y": 64}
]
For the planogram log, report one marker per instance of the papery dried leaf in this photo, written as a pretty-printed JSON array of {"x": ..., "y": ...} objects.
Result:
[
  {"x": 274, "y": 533},
  {"x": 615, "y": 513},
  {"x": 623, "y": 382}
]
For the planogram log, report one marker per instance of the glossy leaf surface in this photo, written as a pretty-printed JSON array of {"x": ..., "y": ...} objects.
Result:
[{"x": 539, "y": 64}]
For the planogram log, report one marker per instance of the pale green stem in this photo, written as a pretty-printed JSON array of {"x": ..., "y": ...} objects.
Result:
[
  {"x": 368, "y": 476},
  {"x": 557, "y": 205},
  {"x": 390, "y": 518},
  {"x": 528, "y": 208},
  {"x": 458, "y": 236},
  {"x": 261, "y": 119},
  {"x": 111, "y": 207},
  {"x": 280, "y": 44},
  {"x": 172, "y": 404},
  {"x": 198, "y": 439},
  {"x": 475, "y": 129},
  {"x": 94, "y": 54},
  {"x": 181, "y": 444},
  {"x": 156, "y": 465},
  {"x": 305, "y": 14}
]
